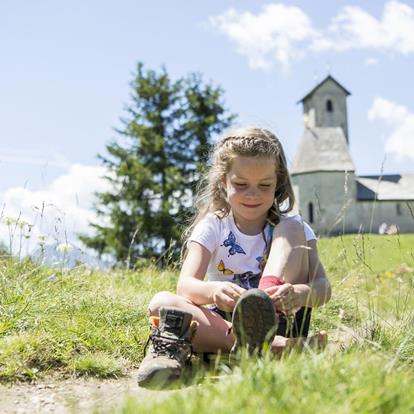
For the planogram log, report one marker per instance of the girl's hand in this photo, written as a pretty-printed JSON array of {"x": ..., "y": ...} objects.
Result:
[
  {"x": 285, "y": 298},
  {"x": 226, "y": 294}
]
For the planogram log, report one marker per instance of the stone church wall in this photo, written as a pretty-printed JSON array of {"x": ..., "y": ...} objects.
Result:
[
  {"x": 372, "y": 214},
  {"x": 326, "y": 196},
  {"x": 327, "y": 201}
]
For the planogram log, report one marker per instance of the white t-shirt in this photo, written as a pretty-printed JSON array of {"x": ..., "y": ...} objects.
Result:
[{"x": 235, "y": 256}]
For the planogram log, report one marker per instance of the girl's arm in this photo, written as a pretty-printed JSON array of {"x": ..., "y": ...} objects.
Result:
[
  {"x": 192, "y": 286},
  {"x": 291, "y": 297}
]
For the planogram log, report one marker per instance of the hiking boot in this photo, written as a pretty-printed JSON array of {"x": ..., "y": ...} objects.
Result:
[
  {"x": 254, "y": 322},
  {"x": 169, "y": 349}
]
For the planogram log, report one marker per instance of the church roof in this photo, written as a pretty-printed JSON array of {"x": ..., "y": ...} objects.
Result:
[
  {"x": 322, "y": 149},
  {"x": 386, "y": 187},
  {"x": 329, "y": 77}
]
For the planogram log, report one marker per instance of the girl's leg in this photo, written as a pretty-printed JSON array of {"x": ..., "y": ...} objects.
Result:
[
  {"x": 288, "y": 257},
  {"x": 212, "y": 332}
]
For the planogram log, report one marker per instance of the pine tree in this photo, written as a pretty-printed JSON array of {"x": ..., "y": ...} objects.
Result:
[{"x": 154, "y": 171}]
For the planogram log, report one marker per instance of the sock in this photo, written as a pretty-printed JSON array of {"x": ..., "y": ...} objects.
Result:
[{"x": 269, "y": 281}]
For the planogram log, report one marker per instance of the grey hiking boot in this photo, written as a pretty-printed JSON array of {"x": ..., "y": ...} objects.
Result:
[
  {"x": 169, "y": 349},
  {"x": 254, "y": 321}
]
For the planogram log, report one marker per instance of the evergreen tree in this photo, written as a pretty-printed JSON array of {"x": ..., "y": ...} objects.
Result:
[{"x": 154, "y": 171}]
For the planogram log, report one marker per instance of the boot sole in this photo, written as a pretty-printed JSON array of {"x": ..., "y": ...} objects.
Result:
[
  {"x": 254, "y": 321},
  {"x": 158, "y": 379}
]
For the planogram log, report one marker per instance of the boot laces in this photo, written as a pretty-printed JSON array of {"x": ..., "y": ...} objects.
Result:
[{"x": 164, "y": 345}]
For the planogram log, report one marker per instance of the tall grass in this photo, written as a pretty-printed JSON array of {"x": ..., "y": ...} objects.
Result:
[
  {"x": 356, "y": 381},
  {"x": 75, "y": 321},
  {"x": 89, "y": 323}
]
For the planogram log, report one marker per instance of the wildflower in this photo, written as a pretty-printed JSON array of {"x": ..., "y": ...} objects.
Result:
[
  {"x": 42, "y": 238},
  {"x": 22, "y": 224},
  {"x": 52, "y": 278},
  {"x": 64, "y": 248},
  {"x": 9, "y": 221}
]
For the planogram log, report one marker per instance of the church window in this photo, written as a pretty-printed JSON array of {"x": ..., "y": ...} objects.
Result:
[
  {"x": 310, "y": 212},
  {"x": 329, "y": 105},
  {"x": 399, "y": 210}
]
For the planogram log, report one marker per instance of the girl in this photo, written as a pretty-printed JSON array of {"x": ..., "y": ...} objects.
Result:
[{"x": 240, "y": 235}]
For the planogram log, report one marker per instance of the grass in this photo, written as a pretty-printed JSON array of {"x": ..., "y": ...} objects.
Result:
[
  {"x": 75, "y": 322},
  {"x": 372, "y": 278},
  {"x": 353, "y": 382},
  {"x": 87, "y": 323}
]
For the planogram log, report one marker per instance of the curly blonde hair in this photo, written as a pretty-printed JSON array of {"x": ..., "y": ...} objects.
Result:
[{"x": 246, "y": 142}]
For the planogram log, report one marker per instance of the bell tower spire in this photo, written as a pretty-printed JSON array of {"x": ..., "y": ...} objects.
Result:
[{"x": 325, "y": 106}]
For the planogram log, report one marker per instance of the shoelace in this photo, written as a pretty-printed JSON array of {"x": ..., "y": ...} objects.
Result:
[{"x": 164, "y": 345}]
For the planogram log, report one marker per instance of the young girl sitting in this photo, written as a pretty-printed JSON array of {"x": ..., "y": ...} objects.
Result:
[{"x": 241, "y": 239}]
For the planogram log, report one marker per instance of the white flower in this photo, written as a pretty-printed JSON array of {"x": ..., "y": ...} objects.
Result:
[
  {"x": 42, "y": 238},
  {"x": 22, "y": 224},
  {"x": 9, "y": 221},
  {"x": 64, "y": 248}
]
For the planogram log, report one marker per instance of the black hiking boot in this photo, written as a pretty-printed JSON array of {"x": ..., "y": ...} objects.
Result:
[
  {"x": 254, "y": 322},
  {"x": 169, "y": 349}
]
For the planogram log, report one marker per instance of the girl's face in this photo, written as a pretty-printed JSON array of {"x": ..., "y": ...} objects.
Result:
[{"x": 250, "y": 186}]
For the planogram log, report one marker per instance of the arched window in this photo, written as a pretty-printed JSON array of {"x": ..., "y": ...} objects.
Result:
[
  {"x": 310, "y": 212},
  {"x": 329, "y": 105},
  {"x": 399, "y": 210}
]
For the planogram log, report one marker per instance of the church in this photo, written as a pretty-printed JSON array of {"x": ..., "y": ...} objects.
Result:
[{"x": 329, "y": 194}]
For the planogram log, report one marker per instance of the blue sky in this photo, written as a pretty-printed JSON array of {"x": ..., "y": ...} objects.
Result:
[{"x": 66, "y": 66}]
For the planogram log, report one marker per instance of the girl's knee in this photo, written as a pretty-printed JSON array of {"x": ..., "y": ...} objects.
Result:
[
  {"x": 163, "y": 299},
  {"x": 290, "y": 228}
]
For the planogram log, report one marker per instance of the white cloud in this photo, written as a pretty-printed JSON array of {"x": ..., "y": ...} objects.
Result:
[
  {"x": 354, "y": 28},
  {"x": 400, "y": 121},
  {"x": 57, "y": 214},
  {"x": 281, "y": 33},
  {"x": 272, "y": 35}
]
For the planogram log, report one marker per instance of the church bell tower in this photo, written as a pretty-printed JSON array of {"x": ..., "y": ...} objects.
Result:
[
  {"x": 325, "y": 106},
  {"x": 323, "y": 173}
]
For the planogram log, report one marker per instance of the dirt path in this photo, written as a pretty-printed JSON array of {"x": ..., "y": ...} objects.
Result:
[{"x": 75, "y": 395}]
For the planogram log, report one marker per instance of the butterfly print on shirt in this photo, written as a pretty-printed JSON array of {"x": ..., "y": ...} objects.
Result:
[
  {"x": 222, "y": 268},
  {"x": 260, "y": 259},
  {"x": 234, "y": 247},
  {"x": 247, "y": 280}
]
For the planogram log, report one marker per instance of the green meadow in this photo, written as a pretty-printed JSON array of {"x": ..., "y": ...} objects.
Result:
[{"x": 82, "y": 322}]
